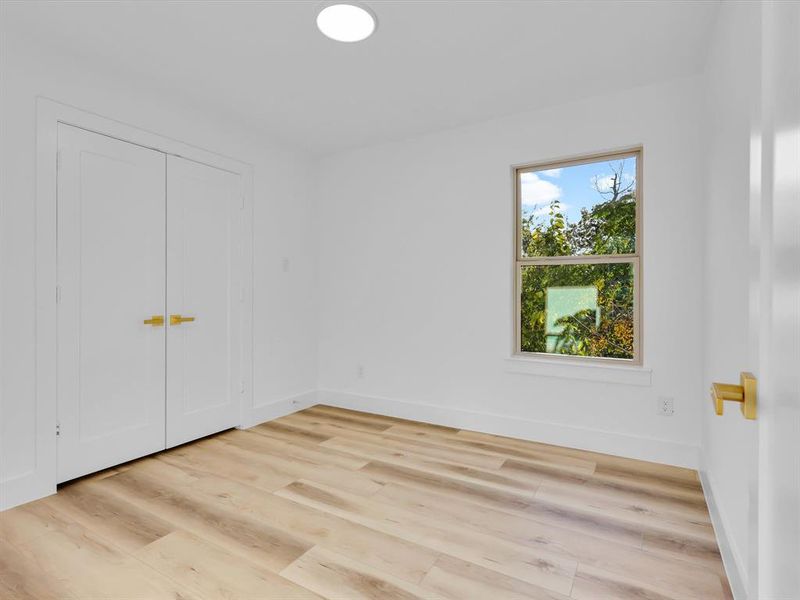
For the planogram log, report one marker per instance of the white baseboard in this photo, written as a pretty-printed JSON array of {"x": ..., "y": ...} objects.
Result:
[
  {"x": 596, "y": 440},
  {"x": 278, "y": 408},
  {"x": 23, "y": 489},
  {"x": 731, "y": 559}
]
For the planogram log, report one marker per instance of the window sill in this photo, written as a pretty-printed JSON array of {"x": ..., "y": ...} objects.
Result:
[{"x": 565, "y": 369}]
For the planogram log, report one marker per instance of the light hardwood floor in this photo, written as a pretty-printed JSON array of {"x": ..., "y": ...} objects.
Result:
[{"x": 339, "y": 504}]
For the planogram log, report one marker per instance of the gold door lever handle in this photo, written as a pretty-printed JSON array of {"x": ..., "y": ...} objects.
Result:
[
  {"x": 178, "y": 319},
  {"x": 744, "y": 394},
  {"x": 155, "y": 321}
]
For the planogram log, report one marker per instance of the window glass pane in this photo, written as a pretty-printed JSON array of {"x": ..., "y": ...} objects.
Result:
[
  {"x": 578, "y": 310},
  {"x": 579, "y": 209}
]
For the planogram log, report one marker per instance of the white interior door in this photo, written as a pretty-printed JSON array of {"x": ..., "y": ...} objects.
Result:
[
  {"x": 111, "y": 276},
  {"x": 779, "y": 348},
  {"x": 203, "y": 354}
]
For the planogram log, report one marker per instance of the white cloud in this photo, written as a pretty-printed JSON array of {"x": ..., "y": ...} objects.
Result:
[
  {"x": 535, "y": 191},
  {"x": 551, "y": 173}
]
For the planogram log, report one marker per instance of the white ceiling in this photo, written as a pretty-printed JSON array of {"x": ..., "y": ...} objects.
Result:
[{"x": 430, "y": 65}]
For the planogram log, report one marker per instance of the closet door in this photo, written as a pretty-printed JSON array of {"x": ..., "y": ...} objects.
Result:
[
  {"x": 203, "y": 305},
  {"x": 111, "y": 277}
]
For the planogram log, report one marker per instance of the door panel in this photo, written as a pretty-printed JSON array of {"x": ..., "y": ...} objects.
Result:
[
  {"x": 111, "y": 272},
  {"x": 203, "y": 370},
  {"x": 779, "y": 356}
]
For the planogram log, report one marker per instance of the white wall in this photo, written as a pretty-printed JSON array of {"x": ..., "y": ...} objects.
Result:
[
  {"x": 730, "y": 442},
  {"x": 284, "y": 331},
  {"x": 415, "y": 277}
]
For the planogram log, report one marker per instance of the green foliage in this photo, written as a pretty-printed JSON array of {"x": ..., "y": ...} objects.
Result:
[
  {"x": 609, "y": 227},
  {"x": 579, "y": 334}
]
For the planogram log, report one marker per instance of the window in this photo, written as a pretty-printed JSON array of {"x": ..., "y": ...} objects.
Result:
[{"x": 577, "y": 258}]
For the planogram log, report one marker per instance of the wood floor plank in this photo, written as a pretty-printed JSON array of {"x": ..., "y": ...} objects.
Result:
[
  {"x": 389, "y": 421},
  {"x": 673, "y": 500},
  {"x": 687, "y": 502},
  {"x": 604, "y": 461},
  {"x": 635, "y": 490},
  {"x": 593, "y": 585},
  {"x": 651, "y": 485},
  {"x": 632, "y": 512},
  {"x": 660, "y": 478},
  {"x": 211, "y": 572},
  {"x": 433, "y": 450},
  {"x": 632, "y": 467},
  {"x": 684, "y": 547},
  {"x": 458, "y": 579},
  {"x": 262, "y": 451},
  {"x": 417, "y": 429},
  {"x": 323, "y": 410},
  {"x": 477, "y": 492},
  {"x": 543, "y": 510},
  {"x": 532, "y": 455},
  {"x": 340, "y": 504},
  {"x": 313, "y": 527},
  {"x": 112, "y": 517},
  {"x": 518, "y": 528},
  {"x": 645, "y": 501},
  {"x": 624, "y": 560},
  {"x": 534, "y": 566},
  {"x": 281, "y": 430},
  {"x": 236, "y": 532},
  {"x": 334, "y": 576},
  {"x": 210, "y": 456},
  {"x": 88, "y": 566},
  {"x": 20, "y": 579},
  {"x": 346, "y": 422},
  {"x": 28, "y": 521},
  {"x": 291, "y": 445},
  {"x": 489, "y": 478},
  {"x": 543, "y": 473},
  {"x": 348, "y": 418}
]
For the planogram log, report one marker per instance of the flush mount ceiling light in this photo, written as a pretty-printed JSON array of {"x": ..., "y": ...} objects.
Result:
[{"x": 346, "y": 22}]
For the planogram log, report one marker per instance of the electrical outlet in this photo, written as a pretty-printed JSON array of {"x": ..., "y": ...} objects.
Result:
[
  {"x": 360, "y": 371},
  {"x": 666, "y": 406}
]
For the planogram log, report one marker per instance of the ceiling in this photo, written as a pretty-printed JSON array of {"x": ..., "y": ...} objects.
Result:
[{"x": 430, "y": 65}]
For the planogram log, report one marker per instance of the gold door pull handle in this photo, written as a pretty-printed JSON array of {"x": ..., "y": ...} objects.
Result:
[
  {"x": 155, "y": 321},
  {"x": 744, "y": 394},
  {"x": 178, "y": 319}
]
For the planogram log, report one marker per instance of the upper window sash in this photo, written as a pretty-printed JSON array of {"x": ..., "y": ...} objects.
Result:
[{"x": 584, "y": 208}]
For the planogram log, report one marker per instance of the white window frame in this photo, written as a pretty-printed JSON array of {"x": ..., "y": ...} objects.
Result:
[{"x": 634, "y": 259}]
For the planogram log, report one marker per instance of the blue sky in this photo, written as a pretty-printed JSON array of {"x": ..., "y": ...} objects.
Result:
[{"x": 573, "y": 186}]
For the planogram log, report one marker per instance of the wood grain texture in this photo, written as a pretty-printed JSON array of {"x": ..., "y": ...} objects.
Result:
[{"x": 332, "y": 503}]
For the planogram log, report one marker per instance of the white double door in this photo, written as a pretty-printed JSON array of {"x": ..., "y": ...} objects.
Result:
[{"x": 148, "y": 301}]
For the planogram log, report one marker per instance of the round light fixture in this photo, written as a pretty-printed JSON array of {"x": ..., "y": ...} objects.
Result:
[{"x": 346, "y": 22}]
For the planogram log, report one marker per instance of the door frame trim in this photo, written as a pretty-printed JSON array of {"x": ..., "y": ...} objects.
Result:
[{"x": 41, "y": 480}]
